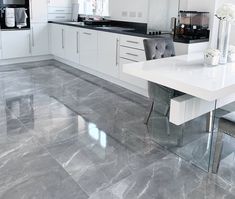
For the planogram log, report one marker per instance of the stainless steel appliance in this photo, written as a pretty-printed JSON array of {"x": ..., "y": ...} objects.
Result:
[{"x": 192, "y": 26}]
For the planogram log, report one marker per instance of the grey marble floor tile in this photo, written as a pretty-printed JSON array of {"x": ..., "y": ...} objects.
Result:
[
  {"x": 64, "y": 132},
  {"x": 96, "y": 161},
  {"x": 28, "y": 171},
  {"x": 168, "y": 178}
]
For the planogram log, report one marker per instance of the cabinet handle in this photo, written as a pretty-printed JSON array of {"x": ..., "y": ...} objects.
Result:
[
  {"x": 117, "y": 45},
  {"x": 86, "y": 33},
  {"x": 131, "y": 54},
  {"x": 60, "y": 17},
  {"x": 31, "y": 8},
  {"x": 32, "y": 36},
  {"x": 63, "y": 38},
  {"x": 133, "y": 42},
  {"x": 77, "y": 43}
]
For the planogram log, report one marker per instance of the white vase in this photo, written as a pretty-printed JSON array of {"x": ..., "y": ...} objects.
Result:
[
  {"x": 211, "y": 61},
  {"x": 223, "y": 40}
]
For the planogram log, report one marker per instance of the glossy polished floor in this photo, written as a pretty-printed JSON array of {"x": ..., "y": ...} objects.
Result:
[{"x": 69, "y": 135}]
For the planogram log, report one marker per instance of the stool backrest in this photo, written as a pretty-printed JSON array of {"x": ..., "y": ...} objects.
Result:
[{"x": 157, "y": 48}]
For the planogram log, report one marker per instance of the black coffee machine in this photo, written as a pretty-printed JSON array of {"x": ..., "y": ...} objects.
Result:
[
  {"x": 192, "y": 26},
  {"x": 13, "y": 4}
]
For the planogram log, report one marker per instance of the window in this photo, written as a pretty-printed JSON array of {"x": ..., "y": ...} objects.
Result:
[{"x": 94, "y": 7}]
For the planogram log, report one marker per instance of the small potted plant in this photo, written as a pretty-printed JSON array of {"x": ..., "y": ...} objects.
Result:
[
  {"x": 231, "y": 54},
  {"x": 212, "y": 57}
]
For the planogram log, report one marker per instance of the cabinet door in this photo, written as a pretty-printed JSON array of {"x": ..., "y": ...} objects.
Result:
[
  {"x": 16, "y": 44},
  {"x": 72, "y": 44},
  {"x": 57, "y": 35},
  {"x": 39, "y": 37},
  {"x": 108, "y": 48},
  {"x": 88, "y": 48},
  {"x": 131, "y": 79},
  {"x": 60, "y": 3},
  {"x": 38, "y": 10}
]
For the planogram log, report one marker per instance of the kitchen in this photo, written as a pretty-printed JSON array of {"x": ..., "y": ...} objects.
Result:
[{"x": 73, "y": 106}]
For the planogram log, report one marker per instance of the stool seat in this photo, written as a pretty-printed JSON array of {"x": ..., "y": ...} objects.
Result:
[{"x": 226, "y": 126}]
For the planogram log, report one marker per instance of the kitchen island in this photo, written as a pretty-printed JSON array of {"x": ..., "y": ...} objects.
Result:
[{"x": 206, "y": 88}]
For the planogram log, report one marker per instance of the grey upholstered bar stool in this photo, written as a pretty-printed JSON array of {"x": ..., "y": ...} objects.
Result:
[
  {"x": 159, "y": 95},
  {"x": 226, "y": 126}
]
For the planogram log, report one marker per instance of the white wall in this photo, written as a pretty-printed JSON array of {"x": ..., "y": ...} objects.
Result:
[
  {"x": 161, "y": 12},
  {"x": 129, "y": 10}
]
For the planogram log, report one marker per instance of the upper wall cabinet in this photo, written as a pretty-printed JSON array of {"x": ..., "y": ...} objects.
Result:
[
  {"x": 60, "y": 3},
  {"x": 38, "y": 10}
]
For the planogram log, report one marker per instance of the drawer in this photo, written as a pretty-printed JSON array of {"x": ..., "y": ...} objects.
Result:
[
  {"x": 59, "y": 10},
  {"x": 59, "y": 17},
  {"x": 132, "y": 54},
  {"x": 132, "y": 42}
]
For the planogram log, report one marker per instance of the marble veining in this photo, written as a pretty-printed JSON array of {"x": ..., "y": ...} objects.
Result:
[{"x": 67, "y": 134}]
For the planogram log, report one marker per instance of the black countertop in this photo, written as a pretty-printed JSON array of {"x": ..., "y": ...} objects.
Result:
[{"x": 114, "y": 29}]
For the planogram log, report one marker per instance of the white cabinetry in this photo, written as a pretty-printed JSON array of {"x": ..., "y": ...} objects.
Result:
[
  {"x": 60, "y": 3},
  {"x": 88, "y": 48},
  {"x": 38, "y": 11},
  {"x": 72, "y": 44},
  {"x": 65, "y": 42},
  {"x": 39, "y": 39},
  {"x": 57, "y": 40},
  {"x": 16, "y": 44},
  {"x": 108, "y": 53},
  {"x": 131, "y": 50},
  {"x": 60, "y": 10},
  {"x": 183, "y": 49}
]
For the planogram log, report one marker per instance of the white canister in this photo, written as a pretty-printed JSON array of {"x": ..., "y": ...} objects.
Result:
[{"x": 212, "y": 57}]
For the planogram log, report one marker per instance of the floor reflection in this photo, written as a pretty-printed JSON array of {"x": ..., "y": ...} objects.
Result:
[
  {"x": 189, "y": 141},
  {"x": 93, "y": 133}
]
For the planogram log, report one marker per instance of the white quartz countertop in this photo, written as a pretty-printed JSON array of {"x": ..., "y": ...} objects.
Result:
[{"x": 187, "y": 74}]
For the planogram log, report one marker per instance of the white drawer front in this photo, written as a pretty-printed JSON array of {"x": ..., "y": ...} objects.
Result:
[
  {"x": 59, "y": 10},
  {"x": 59, "y": 17},
  {"x": 132, "y": 54},
  {"x": 132, "y": 42}
]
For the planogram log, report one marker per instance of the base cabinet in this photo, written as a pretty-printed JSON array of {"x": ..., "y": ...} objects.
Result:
[
  {"x": 88, "y": 48},
  {"x": 39, "y": 39},
  {"x": 108, "y": 53},
  {"x": 71, "y": 41},
  {"x": 57, "y": 40},
  {"x": 16, "y": 44}
]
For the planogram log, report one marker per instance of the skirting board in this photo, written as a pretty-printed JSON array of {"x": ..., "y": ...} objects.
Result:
[
  {"x": 185, "y": 108},
  {"x": 25, "y": 59},
  {"x": 104, "y": 76}
]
